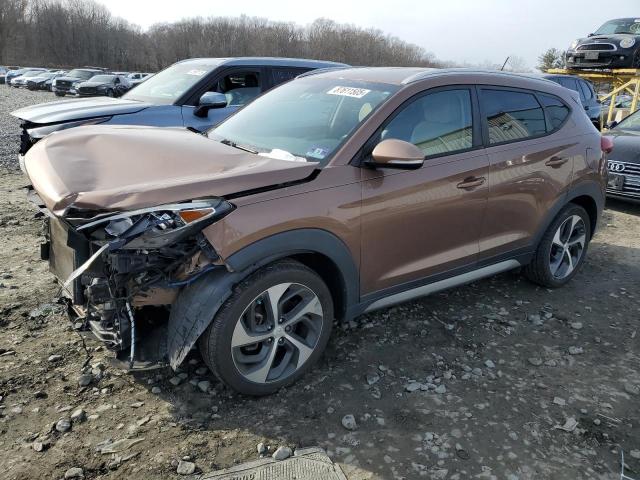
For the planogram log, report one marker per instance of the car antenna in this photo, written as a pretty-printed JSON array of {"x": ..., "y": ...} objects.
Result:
[{"x": 504, "y": 64}]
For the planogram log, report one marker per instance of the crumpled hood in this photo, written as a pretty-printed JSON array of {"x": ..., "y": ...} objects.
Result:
[
  {"x": 70, "y": 110},
  {"x": 109, "y": 168}
]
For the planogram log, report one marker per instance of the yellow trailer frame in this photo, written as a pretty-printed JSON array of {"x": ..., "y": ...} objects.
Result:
[{"x": 622, "y": 80}]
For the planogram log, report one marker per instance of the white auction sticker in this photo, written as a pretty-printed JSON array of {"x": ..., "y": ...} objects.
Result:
[
  {"x": 349, "y": 92},
  {"x": 197, "y": 73}
]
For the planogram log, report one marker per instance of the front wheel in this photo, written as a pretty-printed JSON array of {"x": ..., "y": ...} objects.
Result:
[
  {"x": 562, "y": 249},
  {"x": 59, "y": 94},
  {"x": 271, "y": 331}
]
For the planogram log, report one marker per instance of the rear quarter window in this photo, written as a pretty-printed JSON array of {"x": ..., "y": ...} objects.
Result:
[{"x": 557, "y": 111}]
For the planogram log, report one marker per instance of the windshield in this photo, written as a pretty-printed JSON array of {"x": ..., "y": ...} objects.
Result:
[
  {"x": 622, "y": 25},
  {"x": 33, "y": 73},
  {"x": 170, "y": 84},
  {"x": 83, "y": 74},
  {"x": 103, "y": 78},
  {"x": 631, "y": 123},
  {"x": 307, "y": 118}
]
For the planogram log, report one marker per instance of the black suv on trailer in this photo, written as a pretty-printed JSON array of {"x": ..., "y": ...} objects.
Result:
[
  {"x": 616, "y": 44},
  {"x": 66, "y": 85},
  {"x": 588, "y": 95}
]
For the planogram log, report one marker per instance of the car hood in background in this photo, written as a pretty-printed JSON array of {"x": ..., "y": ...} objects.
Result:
[
  {"x": 70, "y": 110},
  {"x": 626, "y": 146},
  {"x": 92, "y": 84},
  {"x": 111, "y": 168}
]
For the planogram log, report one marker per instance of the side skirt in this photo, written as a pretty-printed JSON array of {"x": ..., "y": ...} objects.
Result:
[{"x": 450, "y": 282}]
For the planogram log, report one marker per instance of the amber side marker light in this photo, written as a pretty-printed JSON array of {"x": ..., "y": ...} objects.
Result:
[{"x": 192, "y": 215}]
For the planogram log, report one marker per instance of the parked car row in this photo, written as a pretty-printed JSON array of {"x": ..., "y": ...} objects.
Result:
[
  {"x": 79, "y": 81},
  {"x": 277, "y": 210}
]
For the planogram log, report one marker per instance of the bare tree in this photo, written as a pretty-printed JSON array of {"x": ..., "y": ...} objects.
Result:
[{"x": 70, "y": 33}]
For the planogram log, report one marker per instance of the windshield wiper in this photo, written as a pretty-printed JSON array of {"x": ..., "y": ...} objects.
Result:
[{"x": 225, "y": 141}]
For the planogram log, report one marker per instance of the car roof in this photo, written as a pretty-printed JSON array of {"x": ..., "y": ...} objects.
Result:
[
  {"x": 264, "y": 61},
  {"x": 407, "y": 75}
]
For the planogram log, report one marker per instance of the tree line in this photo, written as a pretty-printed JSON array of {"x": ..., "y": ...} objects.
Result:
[{"x": 72, "y": 33}]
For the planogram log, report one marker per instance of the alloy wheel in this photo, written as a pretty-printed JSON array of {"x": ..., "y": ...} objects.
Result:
[
  {"x": 277, "y": 333},
  {"x": 567, "y": 247}
]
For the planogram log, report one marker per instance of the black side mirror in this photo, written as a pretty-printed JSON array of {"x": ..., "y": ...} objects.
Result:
[
  {"x": 208, "y": 101},
  {"x": 611, "y": 125}
]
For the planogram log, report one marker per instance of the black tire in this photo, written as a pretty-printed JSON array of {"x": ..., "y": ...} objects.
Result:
[
  {"x": 110, "y": 93},
  {"x": 59, "y": 94},
  {"x": 539, "y": 270},
  {"x": 215, "y": 342},
  {"x": 636, "y": 60}
]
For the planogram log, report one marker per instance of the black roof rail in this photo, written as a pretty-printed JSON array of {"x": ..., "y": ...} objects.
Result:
[{"x": 322, "y": 70}]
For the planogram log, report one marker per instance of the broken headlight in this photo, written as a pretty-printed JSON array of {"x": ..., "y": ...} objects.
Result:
[{"x": 156, "y": 227}]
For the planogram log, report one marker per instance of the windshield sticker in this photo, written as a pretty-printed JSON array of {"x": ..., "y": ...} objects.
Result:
[
  {"x": 197, "y": 73},
  {"x": 348, "y": 92},
  {"x": 317, "y": 152}
]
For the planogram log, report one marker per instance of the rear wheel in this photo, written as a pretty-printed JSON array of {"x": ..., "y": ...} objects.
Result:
[
  {"x": 562, "y": 249},
  {"x": 271, "y": 331},
  {"x": 59, "y": 94}
]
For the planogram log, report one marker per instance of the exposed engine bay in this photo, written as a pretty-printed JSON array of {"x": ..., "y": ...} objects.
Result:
[{"x": 116, "y": 267}]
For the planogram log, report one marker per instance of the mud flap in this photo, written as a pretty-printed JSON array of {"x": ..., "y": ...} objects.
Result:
[{"x": 194, "y": 310}]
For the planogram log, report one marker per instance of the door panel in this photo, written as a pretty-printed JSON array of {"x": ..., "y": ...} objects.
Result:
[
  {"x": 525, "y": 180},
  {"x": 529, "y": 169},
  {"x": 419, "y": 223}
]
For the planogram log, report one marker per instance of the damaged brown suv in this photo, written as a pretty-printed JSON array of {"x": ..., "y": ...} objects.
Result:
[{"x": 336, "y": 194}]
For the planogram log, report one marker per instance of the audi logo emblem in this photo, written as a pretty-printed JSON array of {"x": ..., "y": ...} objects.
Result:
[{"x": 615, "y": 166}]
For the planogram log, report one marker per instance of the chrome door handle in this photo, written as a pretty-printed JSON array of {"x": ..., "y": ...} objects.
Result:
[
  {"x": 556, "y": 162},
  {"x": 471, "y": 182}
]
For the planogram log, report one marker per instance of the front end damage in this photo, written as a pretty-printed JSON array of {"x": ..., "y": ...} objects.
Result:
[{"x": 122, "y": 271}]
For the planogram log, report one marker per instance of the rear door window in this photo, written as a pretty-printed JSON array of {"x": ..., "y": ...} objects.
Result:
[
  {"x": 511, "y": 115},
  {"x": 281, "y": 75},
  {"x": 587, "y": 93}
]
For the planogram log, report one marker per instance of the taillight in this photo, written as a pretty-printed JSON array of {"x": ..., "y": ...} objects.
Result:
[{"x": 606, "y": 144}]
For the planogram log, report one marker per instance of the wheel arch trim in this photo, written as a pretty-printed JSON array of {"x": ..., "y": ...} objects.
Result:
[{"x": 198, "y": 303}]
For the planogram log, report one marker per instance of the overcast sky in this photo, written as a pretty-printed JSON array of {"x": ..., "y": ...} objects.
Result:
[{"x": 472, "y": 31}]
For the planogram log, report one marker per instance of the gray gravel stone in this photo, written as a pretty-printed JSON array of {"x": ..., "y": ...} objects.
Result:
[
  {"x": 75, "y": 472},
  {"x": 349, "y": 422},
  {"x": 54, "y": 358},
  {"x": 535, "y": 361},
  {"x": 63, "y": 425},
  {"x": 185, "y": 468},
  {"x": 282, "y": 453},
  {"x": 85, "y": 379},
  {"x": 78, "y": 415}
]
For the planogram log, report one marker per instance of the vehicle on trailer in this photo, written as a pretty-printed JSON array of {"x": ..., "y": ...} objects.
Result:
[
  {"x": 104, "y": 86},
  {"x": 616, "y": 44},
  {"x": 253, "y": 237},
  {"x": 197, "y": 93},
  {"x": 588, "y": 97},
  {"x": 21, "y": 81},
  {"x": 43, "y": 81},
  {"x": 66, "y": 84},
  {"x": 624, "y": 164}
]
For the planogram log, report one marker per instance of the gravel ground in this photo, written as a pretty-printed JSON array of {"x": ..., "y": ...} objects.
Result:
[{"x": 495, "y": 380}]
